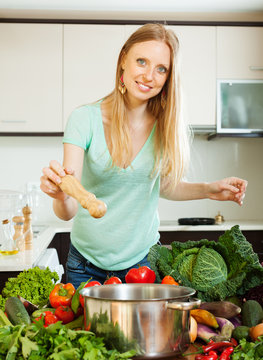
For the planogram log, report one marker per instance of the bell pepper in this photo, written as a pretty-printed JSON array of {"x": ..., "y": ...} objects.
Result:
[
  {"x": 143, "y": 274},
  {"x": 61, "y": 295}
]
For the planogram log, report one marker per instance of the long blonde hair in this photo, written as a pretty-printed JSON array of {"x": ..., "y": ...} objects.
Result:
[{"x": 171, "y": 137}]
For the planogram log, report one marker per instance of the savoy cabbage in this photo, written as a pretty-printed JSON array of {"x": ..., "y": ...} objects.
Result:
[{"x": 215, "y": 269}]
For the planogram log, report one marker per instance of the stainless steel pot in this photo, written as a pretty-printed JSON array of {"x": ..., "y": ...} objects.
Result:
[{"x": 151, "y": 318}]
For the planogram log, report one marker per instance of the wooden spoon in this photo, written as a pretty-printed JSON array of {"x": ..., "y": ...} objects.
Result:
[{"x": 72, "y": 187}]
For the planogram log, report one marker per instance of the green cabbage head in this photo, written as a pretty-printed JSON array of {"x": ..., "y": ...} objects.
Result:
[{"x": 203, "y": 267}]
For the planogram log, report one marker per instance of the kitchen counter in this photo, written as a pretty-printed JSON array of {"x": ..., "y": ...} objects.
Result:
[{"x": 43, "y": 235}]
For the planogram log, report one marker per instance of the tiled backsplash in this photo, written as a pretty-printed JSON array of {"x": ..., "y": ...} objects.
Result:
[{"x": 22, "y": 160}]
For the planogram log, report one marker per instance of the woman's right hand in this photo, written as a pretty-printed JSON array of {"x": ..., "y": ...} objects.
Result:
[{"x": 51, "y": 178}]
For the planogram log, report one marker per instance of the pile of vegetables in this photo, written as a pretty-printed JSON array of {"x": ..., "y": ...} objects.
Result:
[
  {"x": 34, "y": 285},
  {"x": 229, "y": 331},
  {"x": 56, "y": 329},
  {"x": 216, "y": 270}
]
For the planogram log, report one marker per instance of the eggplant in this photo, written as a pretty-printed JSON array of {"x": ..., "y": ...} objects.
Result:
[
  {"x": 226, "y": 327},
  {"x": 235, "y": 321},
  {"x": 205, "y": 333},
  {"x": 225, "y": 309}
]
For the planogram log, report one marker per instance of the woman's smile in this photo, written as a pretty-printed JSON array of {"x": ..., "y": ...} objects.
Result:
[{"x": 143, "y": 87}]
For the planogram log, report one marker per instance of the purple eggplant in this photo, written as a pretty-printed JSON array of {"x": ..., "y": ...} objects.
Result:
[
  {"x": 226, "y": 327},
  {"x": 225, "y": 309},
  {"x": 205, "y": 333},
  {"x": 235, "y": 321}
]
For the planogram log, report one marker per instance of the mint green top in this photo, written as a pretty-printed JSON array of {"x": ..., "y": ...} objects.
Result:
[{"x": 123, "y": 236}]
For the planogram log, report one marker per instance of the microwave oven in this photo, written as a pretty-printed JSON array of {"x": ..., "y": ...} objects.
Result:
[{"x": 239, "y": 106}]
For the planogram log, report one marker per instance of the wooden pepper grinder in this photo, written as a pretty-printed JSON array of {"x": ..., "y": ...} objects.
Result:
[
  {"x": 18, "y": 236},
  {"x": 28, "y": 232}
]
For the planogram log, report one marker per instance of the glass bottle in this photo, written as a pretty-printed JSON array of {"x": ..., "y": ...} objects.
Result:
[{"x": 8, "y": 245}]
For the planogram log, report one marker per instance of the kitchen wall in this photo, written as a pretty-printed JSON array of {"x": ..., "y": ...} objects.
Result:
[{"x": 22, "y": 159}]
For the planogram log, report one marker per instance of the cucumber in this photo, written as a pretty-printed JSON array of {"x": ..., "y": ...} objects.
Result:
[
  {"x": 39, "y": 312},
  {"x": 16, "y": 311},
  {"x": 252, "y": 313},
  {"x": 241, "y": 332}
]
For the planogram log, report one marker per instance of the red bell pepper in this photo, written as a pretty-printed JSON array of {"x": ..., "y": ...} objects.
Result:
[
  {"x": 143, "y": 274},
  {"x": 65, "y": 314},
  {"x": 61, "y": 295}
]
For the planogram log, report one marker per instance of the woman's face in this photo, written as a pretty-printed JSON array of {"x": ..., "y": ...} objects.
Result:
[{"x": 146, "y": 68}]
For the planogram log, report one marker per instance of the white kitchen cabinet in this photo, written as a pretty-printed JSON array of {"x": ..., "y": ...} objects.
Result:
[
  {"x": 31, "y": 78},
  {"x": 90, "y": 58},
  {"x": 240, "y": 52},
  {"x": 198, "y": 73}
]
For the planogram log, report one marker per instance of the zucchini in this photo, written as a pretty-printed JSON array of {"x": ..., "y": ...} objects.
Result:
[
  {"x": 16, "y": 311},
  {"x": 252, "y": 313},
  {"x": 42, "y": 311}
]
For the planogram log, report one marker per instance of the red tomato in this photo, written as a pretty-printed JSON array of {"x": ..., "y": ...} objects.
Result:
[
  {"x": 142, "y": 274},
  {"x": 49, "y": 318},
  {"x": 65, "y": 314},
  {"x": 169, "y": 280},
  {"x": 113, "y": 280},
  {"x": 79, "y": 312},
  {"x": 90, "y": 283}
]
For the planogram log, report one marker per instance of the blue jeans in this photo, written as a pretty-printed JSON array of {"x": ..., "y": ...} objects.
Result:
[{"x": 79, "y": 269}]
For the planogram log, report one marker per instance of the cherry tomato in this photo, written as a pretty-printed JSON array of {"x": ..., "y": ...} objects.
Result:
[
  {"x": 89, "y": 284},
  {"x": 65, "y": 314},
  {"x": 49, "y": 318},
  {"x": 169, "y": 280},
  {"x": 112, "y": 280},
  {"x": 143, "y": 274}
]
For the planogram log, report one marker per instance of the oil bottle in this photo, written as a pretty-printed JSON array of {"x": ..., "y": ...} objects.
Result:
[{"x": 8, "y": 245}]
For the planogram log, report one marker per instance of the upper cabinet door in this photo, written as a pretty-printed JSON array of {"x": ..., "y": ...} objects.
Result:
[
  {"x": 31, "y": 78},
  {"x": 198, "y": 73},
  {"x": 240, "y": 52},
  {"x": 90, "y": 59}
]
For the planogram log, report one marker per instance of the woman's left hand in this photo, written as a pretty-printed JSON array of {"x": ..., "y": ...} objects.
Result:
[{"x": 231, "y": 188}]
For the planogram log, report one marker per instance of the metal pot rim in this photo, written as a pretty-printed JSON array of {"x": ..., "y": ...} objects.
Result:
[{"x": 93, "y": 292}]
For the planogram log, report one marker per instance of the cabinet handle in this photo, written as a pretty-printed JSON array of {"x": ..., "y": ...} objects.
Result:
[
  {"x": 13, "y": 121},
  {"x": 256, "y": 68}
]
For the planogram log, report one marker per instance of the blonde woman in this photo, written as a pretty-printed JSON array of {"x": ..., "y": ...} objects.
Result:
[{"x": 129, "y": 149}]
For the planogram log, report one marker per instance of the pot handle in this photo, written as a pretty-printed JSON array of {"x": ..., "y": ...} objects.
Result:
[{"x": 192, "y": 304}]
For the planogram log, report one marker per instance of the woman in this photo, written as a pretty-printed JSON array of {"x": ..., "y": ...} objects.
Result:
[{"x": 129, "y": 149}]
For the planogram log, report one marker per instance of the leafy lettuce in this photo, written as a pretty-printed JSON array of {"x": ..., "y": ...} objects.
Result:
[
  {"x": 34, "y": 285},
  {"x": 216, "y": 270},
  {"x": 56, "y": 342}
]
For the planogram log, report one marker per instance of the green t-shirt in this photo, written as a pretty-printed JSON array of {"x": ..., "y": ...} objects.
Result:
[{"x": 123, "y": 236}]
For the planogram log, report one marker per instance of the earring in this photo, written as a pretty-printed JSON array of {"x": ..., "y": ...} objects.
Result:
[
  {"x": 163, "y": 99},
  {"x": 122, "y": 86}
]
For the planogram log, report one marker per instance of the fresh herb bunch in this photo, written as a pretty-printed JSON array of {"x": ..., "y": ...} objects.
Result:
[
  {"x": 216, "y": 270},
  {"x": 248, "y": 350},
  {"x": 34, "y": 285},
  {"x": 56, "y": 342}
]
